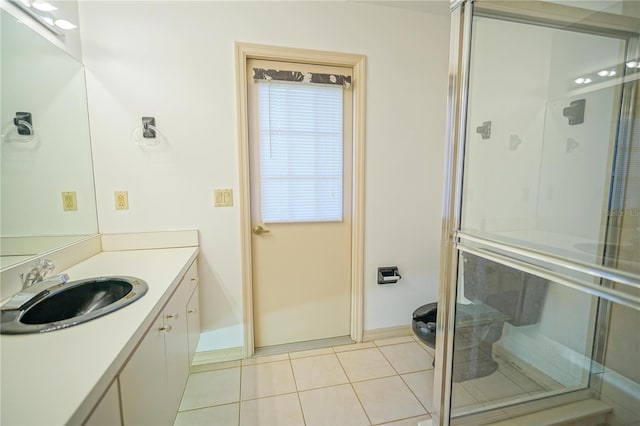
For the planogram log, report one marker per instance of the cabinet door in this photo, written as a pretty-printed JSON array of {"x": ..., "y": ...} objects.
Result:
[
  {"x": 177, "y": 344},
  {"x": 193, "y": 322},
  {"x": 143, "y": 381},
  {"x": 107, "y": 412},
  {"x": 190, "y": 279}
]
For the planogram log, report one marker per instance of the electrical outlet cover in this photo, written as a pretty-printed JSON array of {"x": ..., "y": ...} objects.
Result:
[
  {"x": 122, "y": 200},
  {"x": 69, "y": 201}
]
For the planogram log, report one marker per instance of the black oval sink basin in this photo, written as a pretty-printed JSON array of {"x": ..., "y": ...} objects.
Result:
[{"x": 72, "y": 303}]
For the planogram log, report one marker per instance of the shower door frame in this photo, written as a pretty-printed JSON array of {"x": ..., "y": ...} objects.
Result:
[{"x": 532, "y": 12}]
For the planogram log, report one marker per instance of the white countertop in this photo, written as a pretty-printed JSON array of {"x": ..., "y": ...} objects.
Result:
[{"x": 55, "y": 378}]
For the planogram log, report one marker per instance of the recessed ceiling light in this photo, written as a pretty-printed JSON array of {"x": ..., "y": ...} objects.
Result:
[
  {"x": 579, "y": 80},
  {"x": 612, "y": 73},
  {"x": 64, "y": 24},
  {"x": 587, "y": 80},
  {"x": 633, "y": 64},
  {"x": 44, "y": 6},
  {"x": 603, "y": 73}
]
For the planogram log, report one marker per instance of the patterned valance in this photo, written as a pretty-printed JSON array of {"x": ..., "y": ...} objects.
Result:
[{"x": 303, "y": 77}]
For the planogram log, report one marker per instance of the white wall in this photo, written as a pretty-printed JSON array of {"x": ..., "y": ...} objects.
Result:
[{"x": 175, "y": 61}]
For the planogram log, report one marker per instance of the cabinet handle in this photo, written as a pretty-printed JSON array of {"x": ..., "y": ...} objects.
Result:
[
  {"x": 192, "y": 311},
  {"x": 166, "y": 328},
  {"x": 194, "y": 279},
  {"x": 173, "y": 316}
]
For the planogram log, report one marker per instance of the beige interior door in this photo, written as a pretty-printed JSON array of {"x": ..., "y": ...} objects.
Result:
[{"x": 301, "y": 265}]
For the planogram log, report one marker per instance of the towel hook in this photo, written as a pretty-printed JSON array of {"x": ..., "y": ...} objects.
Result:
[
  {"x": 22, "y": 130},
  {"x": 575, "y": 112},
  {"x": 149, "y": 127},
  {"x": 147, "y": 134},
  {"x": 24, "y": 122},
  {"x": 484, "y": 130}
]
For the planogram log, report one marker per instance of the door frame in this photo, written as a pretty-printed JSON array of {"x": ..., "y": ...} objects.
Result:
[{"x": 244, "y": 52}]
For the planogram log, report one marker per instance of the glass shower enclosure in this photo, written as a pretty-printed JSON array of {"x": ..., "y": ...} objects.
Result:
[{"x": 539, "y": 307}]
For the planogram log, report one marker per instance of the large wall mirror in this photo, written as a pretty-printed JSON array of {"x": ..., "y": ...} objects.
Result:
[{"x": 47, "y": 195}]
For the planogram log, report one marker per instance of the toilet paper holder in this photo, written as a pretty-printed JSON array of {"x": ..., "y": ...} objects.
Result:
[{"x": 388, "y": 275}]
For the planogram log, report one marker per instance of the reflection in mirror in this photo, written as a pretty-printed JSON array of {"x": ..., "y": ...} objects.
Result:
[
  {"x": 556, "y": 173},
  {"x": 47, "y": 190}
]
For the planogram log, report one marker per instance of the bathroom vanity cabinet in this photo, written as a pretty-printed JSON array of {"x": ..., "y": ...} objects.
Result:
[
  {"x": 128, "y": 367},
  {"x": 152, "y": 381},
  {"x": 107, "y": 412},
  {"x": 193, "y": 322},
  {"x": 144, "y": 382}
]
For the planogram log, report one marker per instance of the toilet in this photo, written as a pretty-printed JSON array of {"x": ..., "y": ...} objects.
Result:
[
  {"x": 478, "y": 327},
  {"x": 491, "y": 294}
]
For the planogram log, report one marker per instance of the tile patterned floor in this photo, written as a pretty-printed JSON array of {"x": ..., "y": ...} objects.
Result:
[
  {"x": 508, "y": 383},
  {"x": 383, "y": 382}
]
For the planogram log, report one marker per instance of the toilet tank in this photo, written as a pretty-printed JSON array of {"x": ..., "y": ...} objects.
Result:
[{"x": 515, "y": 293}]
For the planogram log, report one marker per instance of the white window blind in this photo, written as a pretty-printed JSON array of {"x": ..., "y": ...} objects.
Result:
[{"x": 300, "y": 131}]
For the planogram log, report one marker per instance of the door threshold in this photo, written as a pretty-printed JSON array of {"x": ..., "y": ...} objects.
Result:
[{"x": 303, "y": 346}]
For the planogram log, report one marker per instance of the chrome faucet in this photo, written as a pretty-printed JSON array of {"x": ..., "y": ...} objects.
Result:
[
  {"x": 35, "y": 284},
  {"x": 39, "y": 273}
]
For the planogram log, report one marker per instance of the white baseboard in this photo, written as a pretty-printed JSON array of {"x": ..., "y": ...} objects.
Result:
[
  {"x": 566, "y": 366},
  {"x": 386, "y": 333},
  {"x": 220, "y": 355},
  {"x": 232, "y": 354},
  {"x": 557, "y": 367}
]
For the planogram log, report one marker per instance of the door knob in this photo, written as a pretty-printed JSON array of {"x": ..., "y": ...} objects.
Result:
[{"x": 259, "y": 230}]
